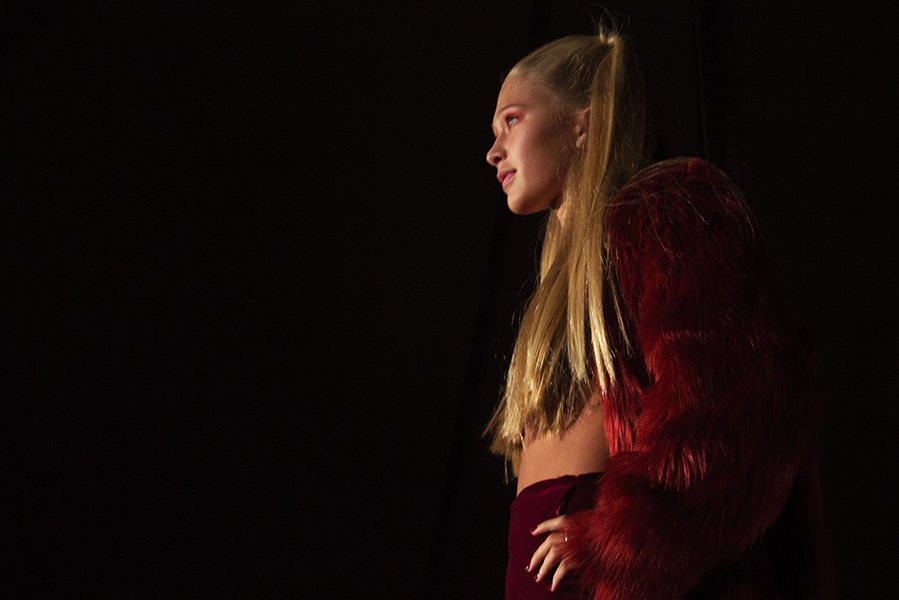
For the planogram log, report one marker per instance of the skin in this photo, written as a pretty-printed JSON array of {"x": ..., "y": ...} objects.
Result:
[
  {"x": 549, "y": 558},
  {"x": 533, "y": 147},
  {"x": 582, "y": 449},
  {"x": 532, "y": 153}
]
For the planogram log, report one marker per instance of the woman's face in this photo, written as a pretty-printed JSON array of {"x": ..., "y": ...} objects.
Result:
[{"x": 533, "y": 148}]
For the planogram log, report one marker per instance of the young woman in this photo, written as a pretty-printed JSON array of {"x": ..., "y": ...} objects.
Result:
[{"x": 660, "y": 410}]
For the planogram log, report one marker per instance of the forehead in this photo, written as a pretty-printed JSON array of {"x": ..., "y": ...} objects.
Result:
[{"x": 521, "y": 91}]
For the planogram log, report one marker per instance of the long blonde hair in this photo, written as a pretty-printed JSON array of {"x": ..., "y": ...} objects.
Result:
[{"x": 565, "y": 342}]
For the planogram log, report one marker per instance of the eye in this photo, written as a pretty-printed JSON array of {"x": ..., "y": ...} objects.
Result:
[{"x": 511, "y": 120}]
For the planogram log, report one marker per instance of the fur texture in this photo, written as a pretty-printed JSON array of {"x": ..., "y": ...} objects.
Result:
[{"x": 712, "y": 489}]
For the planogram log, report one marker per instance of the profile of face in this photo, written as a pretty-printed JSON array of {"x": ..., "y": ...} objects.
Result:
[{"x": 533, "y": 147}]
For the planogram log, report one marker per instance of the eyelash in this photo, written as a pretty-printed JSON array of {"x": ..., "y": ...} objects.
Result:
[{"x": 509, "y": 118}]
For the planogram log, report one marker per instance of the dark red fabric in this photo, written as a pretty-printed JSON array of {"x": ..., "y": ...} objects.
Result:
[{"x": 537, "y": 503}]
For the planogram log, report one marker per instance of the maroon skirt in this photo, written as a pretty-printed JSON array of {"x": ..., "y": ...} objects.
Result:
[{"x": 536, "y": 503}]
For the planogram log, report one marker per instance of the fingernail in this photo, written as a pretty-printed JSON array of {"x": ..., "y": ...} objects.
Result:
[
  {"x": 527, "y": 568},
  {"x": 537, "y": 578}
]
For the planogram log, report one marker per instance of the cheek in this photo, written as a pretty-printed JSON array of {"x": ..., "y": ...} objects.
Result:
[
  {"x": 552, "y": 166},
  {"x": 553, "y": 152}
]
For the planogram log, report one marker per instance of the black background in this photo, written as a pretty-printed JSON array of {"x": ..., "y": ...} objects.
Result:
[{"x": 260, "y": 284}]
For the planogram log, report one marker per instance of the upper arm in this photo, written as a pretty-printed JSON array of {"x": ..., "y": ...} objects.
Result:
[{"x": 721, "y": 425}]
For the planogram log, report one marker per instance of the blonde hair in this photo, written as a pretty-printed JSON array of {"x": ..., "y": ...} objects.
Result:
[{"x": 565, "y": 342}]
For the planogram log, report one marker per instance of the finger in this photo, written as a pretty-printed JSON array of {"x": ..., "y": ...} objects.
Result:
[
  {"x": 549, "y": 525},
  {"x": 541, "y": 552},
  {"x": 559, "y": 575},
  {"x": 553, "y": 558}
]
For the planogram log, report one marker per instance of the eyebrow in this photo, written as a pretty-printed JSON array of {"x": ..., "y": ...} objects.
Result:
[{"x": 510, "y": 106}]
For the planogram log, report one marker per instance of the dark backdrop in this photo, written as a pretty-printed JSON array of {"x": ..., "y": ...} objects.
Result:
[{"x": 260, "y": 284}]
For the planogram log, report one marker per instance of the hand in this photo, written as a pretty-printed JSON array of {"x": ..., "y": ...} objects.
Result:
[{"x": 550, "y": 555}]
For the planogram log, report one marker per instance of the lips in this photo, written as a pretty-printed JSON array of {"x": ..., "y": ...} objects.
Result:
[{"x": 504, "y": 177}]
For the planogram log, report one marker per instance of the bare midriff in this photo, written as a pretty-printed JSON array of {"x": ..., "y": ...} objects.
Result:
[{"x": 581, "y": 449}]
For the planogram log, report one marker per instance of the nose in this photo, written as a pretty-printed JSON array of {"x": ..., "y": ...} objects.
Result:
[{"x": 496, "y": 153}]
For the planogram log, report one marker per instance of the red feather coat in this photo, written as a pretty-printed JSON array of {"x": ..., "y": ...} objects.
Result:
[{"x": 712, "y": 486}]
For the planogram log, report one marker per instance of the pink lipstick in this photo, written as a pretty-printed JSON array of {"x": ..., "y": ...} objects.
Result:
[{"x": 504, "y": 177}]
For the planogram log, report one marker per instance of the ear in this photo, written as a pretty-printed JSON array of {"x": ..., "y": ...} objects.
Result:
[{"x": 582, "y": 124}]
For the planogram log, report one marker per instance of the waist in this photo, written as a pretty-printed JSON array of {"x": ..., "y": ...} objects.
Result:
[
  {"x": 536, "y": 503},
  {"x": 579, "y": 450},
  {"x": 558, "y": 486}
]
